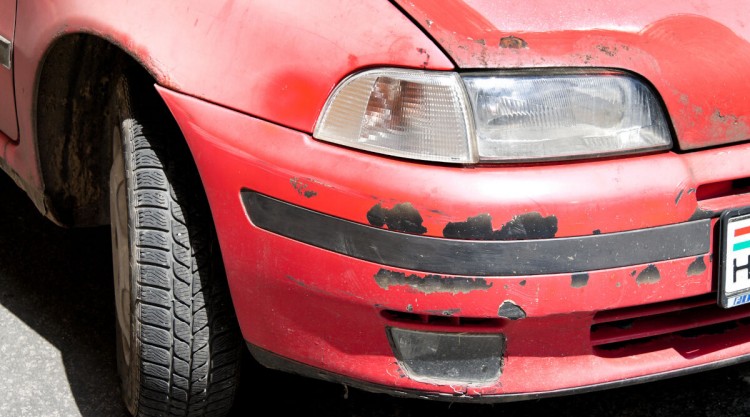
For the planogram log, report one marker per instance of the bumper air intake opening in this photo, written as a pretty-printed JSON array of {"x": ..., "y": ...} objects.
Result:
[{"x": 672, "y": 324}]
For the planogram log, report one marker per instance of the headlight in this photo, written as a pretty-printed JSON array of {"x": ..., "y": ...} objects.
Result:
[
  {"x": 494, "y": 117},
  {"x": 410, "y": 114}
]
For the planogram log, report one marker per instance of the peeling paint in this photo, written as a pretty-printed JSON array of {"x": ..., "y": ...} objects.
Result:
[
  {"x": 431, "y": 283},
  {"x": 511, "y": 311},
  {"x": 403, "y": 217},
  {"x": 650, "y": 275},
  {"x": 302, "y": 188},
  {"x": 512, "y": 42},
  {"x": 697, "y": 267},
  {"x": 526, "y": 226},
  {"x": 579, "y": 280},
  {"x": 477, "y": 227}
]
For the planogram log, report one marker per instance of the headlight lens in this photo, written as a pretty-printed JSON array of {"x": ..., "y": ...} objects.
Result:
[
  {"x": 564, "y": 116},
  {"x": 494, "y": 117}
]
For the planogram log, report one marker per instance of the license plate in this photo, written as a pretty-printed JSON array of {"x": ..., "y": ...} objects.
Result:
[{"x": 734, "y": 275}]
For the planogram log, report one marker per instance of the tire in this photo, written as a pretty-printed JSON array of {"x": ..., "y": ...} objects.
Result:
[{"x": 178, "y": 343}]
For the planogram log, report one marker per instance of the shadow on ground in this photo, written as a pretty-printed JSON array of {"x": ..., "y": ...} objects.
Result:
[{"x": 57, "y": 282}]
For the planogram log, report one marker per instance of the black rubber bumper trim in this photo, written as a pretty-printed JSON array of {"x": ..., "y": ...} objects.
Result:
[
  {"x": 279, "y": 363},
  {"x": 478, "y": 257}
]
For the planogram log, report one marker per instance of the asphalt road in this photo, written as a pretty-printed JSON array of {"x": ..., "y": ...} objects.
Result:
[{"x": 57, "y": 348}]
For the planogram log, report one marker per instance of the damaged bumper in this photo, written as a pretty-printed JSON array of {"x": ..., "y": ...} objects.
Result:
[{"x": 339, "y": 260}]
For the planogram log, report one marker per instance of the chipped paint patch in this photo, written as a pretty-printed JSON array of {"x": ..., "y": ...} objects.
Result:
[
  {"x": 528, "y": 226},
  {"x": 522, "y": 283},
  {"x": 579, "y": 280},
  {"x": 431, "y": 283},
  {"x": 597, "y": 232},
  {"x": 525, "y": 226},
  {"x": 650, "y": 275},
  {"x": 512, "y": 42},
  {"x": 427, "y": 57},
  {"x": 511, "y": 311},
  {"x": 697, "y": 267},
  {"x": 477, "y": 227},
  {"x": 403, "y": 217},
  {"x": 302, "y": 187}
]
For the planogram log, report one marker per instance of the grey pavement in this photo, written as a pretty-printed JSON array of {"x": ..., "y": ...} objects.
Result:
[{"x": 57, "y": 348}]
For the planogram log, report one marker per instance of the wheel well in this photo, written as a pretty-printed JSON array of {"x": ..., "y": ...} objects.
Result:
[{"x": 74, "y": 124}]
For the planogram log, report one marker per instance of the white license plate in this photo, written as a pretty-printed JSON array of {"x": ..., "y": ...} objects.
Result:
[{"x": 734, "y": 275}]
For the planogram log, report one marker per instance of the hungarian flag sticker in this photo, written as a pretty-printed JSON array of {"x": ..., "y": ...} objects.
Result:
[{"x": 734, "y": 281}]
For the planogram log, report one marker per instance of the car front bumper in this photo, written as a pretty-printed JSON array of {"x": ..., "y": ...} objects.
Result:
[{"x": 604, "y": 274}]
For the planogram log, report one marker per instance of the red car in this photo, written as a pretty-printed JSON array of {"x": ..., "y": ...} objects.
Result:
[{"x": 465, "y": 200}]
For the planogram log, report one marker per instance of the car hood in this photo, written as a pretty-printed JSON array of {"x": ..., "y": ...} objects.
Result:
[{"x": 695, "y": 53}]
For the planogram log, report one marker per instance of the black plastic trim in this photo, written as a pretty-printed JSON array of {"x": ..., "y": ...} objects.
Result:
[
  {"x": 478, "y": 257},
  {"x": 279, "y": 363}
]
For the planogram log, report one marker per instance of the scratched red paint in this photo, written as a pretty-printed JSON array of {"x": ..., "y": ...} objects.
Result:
[{"x": 246, "y": 82}]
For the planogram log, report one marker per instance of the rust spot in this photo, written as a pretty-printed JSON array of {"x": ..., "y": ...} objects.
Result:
[
  {"x": 522, "y": 283},
  {"x": 512, "y": 42},
  {"x": 697, "y": 267},
  {"x": 579, "y": 280},
  {"x": 511, "y": 311},
  {"x": 431, "y": 283},
  {"x": 650, "y": 275},
  {"x": 632, "y": 273},
  {"x": 403, "y": 217},
  {"x": 525, "y": 226},
  {"x": 302, "y": 188},
  {"x": 607, "y": 50}
]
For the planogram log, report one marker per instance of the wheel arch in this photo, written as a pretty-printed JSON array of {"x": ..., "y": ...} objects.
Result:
[{"x": 71, "y": 117}]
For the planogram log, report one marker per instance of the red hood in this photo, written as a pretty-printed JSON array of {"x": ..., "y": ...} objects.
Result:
[{"x": 696, "y": 53}]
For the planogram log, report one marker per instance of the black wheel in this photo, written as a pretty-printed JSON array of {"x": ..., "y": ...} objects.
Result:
[{"x": 178, "y": 344}]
